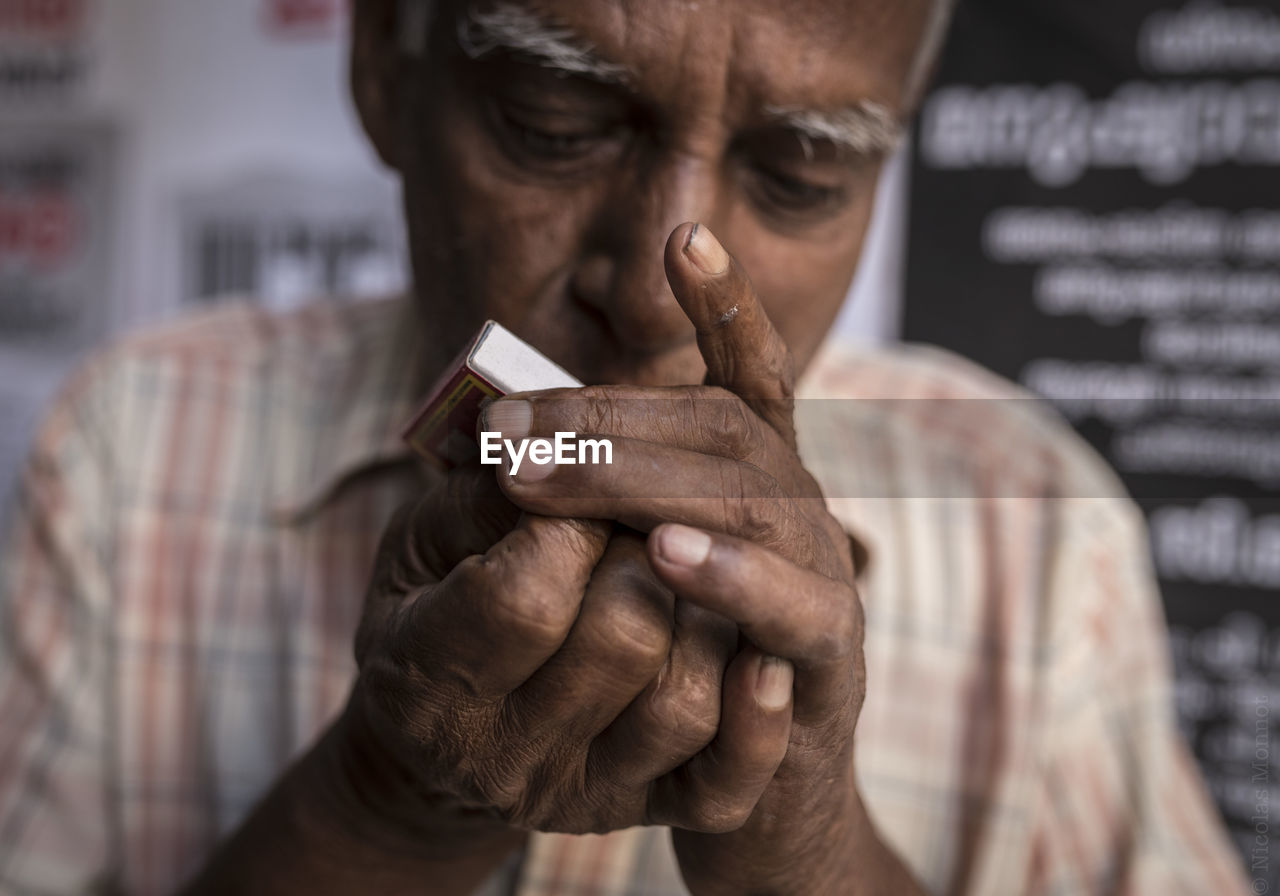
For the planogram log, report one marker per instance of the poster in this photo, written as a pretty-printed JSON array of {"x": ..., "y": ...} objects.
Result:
[
  {"x": 55, "y": 267},
  {"x": 127, "y": 126},
  {"x": 1095, "y": 214},
  {"x": 286, "y": 239},
  {"x": 44, "y": 55},
  {"x": 55, "y": 198}
]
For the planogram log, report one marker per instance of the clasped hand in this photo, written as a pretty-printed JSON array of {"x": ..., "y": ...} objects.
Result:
[{"x": 670, "y": 639}]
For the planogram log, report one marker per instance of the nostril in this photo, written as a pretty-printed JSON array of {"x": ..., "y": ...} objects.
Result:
[
  {"x": 594, "y": 314},
  {"x": 592, "y": 280}
]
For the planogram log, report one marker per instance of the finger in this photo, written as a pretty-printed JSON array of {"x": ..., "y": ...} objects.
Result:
[
  {"x": 618, "y": 643},
  {"x": 706, "y": 419},
  {"x": 462, "y": 513},
  {"x": 717, "y": 790},
  {"x": 649, "y": 483},
  {"x": 742, "y": 350},
  {"x": 465, "y": 514},
  {"x": 678, "y": 713},
  {"x": 703, "y": 419},
  {"x": 498, "y": 616},
  {"x": 784, "y": 609}
]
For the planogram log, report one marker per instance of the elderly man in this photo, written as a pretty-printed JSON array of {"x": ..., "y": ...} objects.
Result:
[{"x": 639, "y": 678}]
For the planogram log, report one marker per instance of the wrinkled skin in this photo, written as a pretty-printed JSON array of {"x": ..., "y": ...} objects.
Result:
[
  {"x": 552, "y": 681},
  {"x": 566, "y": 249}
]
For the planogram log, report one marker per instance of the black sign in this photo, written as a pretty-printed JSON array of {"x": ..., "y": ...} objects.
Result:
[
  {"x": 55, "y": 247},
  {"x": 1095, "y": 213}
]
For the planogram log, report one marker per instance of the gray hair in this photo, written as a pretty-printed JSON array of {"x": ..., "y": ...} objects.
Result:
[
  {"x": 865, "y": 129},
  {"x": 514, "y": 26}
]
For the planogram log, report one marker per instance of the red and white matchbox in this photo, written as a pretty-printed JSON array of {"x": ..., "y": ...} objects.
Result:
[{"x": 496, "y": 363}]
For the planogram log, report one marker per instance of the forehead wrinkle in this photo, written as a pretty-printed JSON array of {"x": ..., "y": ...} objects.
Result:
[
  {"x": 516, "y": 29},
  {"x": 821, "y": 54},
  {"x": 866, "y": 128}
]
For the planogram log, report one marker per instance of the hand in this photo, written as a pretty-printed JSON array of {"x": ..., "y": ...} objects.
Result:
[
  {"x": 538, "y": 678},
  {"x": 738, "y": 527},
  {"x": 510, "y": 678}
]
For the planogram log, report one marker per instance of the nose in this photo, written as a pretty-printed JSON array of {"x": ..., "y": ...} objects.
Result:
[{"x": 621, "y": 272}]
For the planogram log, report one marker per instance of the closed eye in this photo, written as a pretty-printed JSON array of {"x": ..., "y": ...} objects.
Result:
[
  {"x": 796, "y": 194},
  {"x": 565, "y": 143}
]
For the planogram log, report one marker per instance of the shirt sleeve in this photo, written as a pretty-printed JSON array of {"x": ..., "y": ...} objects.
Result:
[
  {"x": 54, "y": 681},
  {"x": 1121, "y": 807}
]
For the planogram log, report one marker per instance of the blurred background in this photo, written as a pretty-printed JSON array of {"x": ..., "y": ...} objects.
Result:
[{"x": 1090, "y": 206}]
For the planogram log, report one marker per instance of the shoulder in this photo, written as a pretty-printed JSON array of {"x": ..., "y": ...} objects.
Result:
[
  {"x": 245, "y": 335},
  {"x": 234, "y": 340},
  {"x": 947, "y": 423},
  {"x": 975, "y": 499},
  {"x": 213, "y": 389}
]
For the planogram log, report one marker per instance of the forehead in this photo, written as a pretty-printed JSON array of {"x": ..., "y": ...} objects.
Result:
[{"x": 786, "y": 53}]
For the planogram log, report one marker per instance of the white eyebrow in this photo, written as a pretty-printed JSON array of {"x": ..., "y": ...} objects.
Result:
[
  {"x": 867, "y": 128},
  {"x": 514, "y": 29}
]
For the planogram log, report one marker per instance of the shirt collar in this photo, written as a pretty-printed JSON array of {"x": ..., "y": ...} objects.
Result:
[{"x": 359, "y": 389}]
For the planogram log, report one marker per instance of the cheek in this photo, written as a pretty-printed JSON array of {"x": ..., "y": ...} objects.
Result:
[{"x": 803, "y": 282}]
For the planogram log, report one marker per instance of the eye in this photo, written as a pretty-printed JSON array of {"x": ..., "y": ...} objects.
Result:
[
  {"x": 797, "y": 181},
  {"x": 551, "y": 144},
  {"x": 554, "y": 137},
  {"x": 789, "y": 193}
]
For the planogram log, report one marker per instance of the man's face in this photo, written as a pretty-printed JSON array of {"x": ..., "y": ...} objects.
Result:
[{"x": 549, "y": 148}]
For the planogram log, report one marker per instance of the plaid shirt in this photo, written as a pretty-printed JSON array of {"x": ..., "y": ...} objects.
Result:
[{"x": 196, "y": 525}]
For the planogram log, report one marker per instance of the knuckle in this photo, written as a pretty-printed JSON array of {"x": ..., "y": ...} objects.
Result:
[
  {"x": 477, "y": 572},
  {"x": 539, "y": 614},
  {"x": 759, "y": 509},
  {"x": 498, "y": 770},
  {"x": 841, "y": 632},
  {"x": 599, "y": 411},
  {"x": 635, "y": 640},
  {"x": 550, "y": 796},
  {"x": 716, "y": 812},
  {"x": 731, "y": 426},
  {"x": 567, "y": 544},
  {"x": 524, "y": 604},
  {"x": 494, "y": 787},
  {"x": 686, "y": 709}
]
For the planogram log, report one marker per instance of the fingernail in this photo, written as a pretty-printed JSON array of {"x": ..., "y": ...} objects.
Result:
[
  {"x": 773, "y": 683},
  {"x": 512, "y": 418},
  {"x": 683, "y": 546},
  {"x": 705, "y": 251}
]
